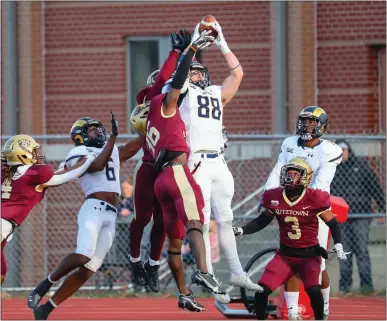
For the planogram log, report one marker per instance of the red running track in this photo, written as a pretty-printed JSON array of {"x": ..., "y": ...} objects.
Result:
[{"x": 166, "y": 309}]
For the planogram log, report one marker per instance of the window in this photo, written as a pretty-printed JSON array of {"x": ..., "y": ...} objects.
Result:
[{"x": 144, "y": 55}]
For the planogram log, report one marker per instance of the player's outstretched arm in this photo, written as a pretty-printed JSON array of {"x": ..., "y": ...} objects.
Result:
[
  {"x": 257, "y": 224},
  {"x": 199, "y": 41},
  {"x": 231, "y": 83},
  {"x": 65, "y": 175},
  {"x": 329, "y": 218},
  {"x": 130, "y": 149},
  {"x": 103, "y": 158}
]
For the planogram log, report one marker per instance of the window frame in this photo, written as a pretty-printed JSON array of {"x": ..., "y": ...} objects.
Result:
[{"x": 164, "y": 46}]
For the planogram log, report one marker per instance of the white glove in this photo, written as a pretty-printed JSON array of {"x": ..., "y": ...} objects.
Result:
[
  {"x": 201, "y": 40},
  {"x": 238, "y": 231},
  {"x": 220, "y": 41},
  {"x": 338, "y": 248}
]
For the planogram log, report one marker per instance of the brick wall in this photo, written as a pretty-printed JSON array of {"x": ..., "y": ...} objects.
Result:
[
  {"x": 84, "y": 64},
  {"x": 348, "y": 37}
]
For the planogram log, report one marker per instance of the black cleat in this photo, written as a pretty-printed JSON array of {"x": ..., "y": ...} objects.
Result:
[
  {"x": 152, "y": 272},
  {"x": 37, "y": 295},
  {"x": 206, "y": 280},
  {"x": 40, "y": 313},
  {"x": 188, "y": 302},
  {"x": 139, "y": 275}
]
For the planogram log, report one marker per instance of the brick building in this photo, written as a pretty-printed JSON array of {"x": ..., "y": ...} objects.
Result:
[{"x": 87, "y": 58}]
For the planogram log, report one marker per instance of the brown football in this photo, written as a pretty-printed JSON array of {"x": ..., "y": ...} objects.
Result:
[{"x": 207, "y": 24}]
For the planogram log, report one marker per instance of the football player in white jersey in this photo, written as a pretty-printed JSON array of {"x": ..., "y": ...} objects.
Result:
[
  {"x": 202, "y": 112},
  {"x": 323, "y": 156},
  {"x": 96, "y": 217}
]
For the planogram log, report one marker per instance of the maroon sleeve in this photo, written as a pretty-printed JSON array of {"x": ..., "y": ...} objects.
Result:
[
  {"x": 165, "y": 73},
  {"x": 322, "y": 200},
  {"x": 42, "y": 173}
]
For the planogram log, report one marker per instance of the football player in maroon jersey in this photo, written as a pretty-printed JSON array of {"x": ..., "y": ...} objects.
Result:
[
  {"x": 23, "y": 184},
  {"x": 296, "y": 209},
  {"x": 145, "y": 201},
  {"x": 179, "y": 195}
]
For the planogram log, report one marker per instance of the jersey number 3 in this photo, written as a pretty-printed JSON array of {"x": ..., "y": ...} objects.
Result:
[
  {"x": 295, "y": 227},
  {"x": 204, "y": 107}
]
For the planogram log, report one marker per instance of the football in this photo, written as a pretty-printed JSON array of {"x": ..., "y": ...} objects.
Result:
[{"x": 207, "y": 24}]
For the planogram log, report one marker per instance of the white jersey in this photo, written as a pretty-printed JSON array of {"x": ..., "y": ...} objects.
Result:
[
  {"x": 106, "y": 180},
  {"x": 202, "y": 113},
  {"x": 323, "y": 158}
]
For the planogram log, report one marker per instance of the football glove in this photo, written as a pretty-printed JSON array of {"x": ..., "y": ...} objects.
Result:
[
  {"x": 181, "y": 40},
  {"x": 238, "y": 231},
  {"x": 338, "y": 249},
  {"x": 114, "y": 131},
  {"x": 202, "y": 40},
  {"x": 220, "y": 41}
]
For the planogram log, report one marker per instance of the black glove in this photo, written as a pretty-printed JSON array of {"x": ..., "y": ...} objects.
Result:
[
  {"x": 114, "y": 131},
  {"x": 181, "y": 40}
]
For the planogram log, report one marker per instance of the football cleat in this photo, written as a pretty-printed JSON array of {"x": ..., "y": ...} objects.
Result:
[
  {"x": 243, "y": 281},
  {"x": 188, "y": 302},
  {"x": 139, "y": 276},
  {"x": 206, "y": 280},
  {"x": 37, "y": 295},
  {"x": 152, "y": 272},
  {"x": 40, "y": 313}
]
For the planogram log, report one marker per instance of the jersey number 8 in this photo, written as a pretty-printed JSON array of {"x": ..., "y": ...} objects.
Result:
[{"x": 204, "y": 109}]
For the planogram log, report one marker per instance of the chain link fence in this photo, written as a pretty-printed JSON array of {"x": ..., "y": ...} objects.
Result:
[{"x": 49, "y": 233}]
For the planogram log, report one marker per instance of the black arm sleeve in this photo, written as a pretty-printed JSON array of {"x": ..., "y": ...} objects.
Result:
[
  {"x": 258, "y": 223},
  {"x": 182, "y": 71},
  {"x": 335, "y": 230}
]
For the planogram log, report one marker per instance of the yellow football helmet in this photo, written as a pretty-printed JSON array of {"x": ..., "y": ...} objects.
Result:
[
  {"x": 21, "y": 150},
  {"x": 304, "y": 169},
  {"x": 316, "y": 113},
  {"x": 138, "y": 118}
]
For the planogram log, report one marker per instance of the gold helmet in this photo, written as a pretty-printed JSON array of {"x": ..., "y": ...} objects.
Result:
[
  {"x": 302, "y": 166},
  {"x": 21, "y": 150},
  {"x": 138, "y": 118}
]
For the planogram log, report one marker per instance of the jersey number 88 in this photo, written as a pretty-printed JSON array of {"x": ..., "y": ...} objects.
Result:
[{"x": 204, "y": 107}]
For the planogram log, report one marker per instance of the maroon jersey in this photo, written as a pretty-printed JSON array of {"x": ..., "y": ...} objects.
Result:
[
  {"x": 18, "y": 197},
  {"x": 298, "y": 222},
  {"x": 164, "y": 132}
]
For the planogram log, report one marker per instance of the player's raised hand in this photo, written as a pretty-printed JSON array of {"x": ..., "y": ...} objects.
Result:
[
  {"x": 238, "y": 231},
  {"x": 202, "y": 40},
  {"x": 338, "y": 249},
  {"x": 114, "y": 131},
  {"x": 181, "y": 40},
  {"x": 220, "y": 41}
]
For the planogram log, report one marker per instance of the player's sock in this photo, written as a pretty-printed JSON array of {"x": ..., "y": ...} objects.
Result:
[
  {"x": 292, "y": 302},
  {"x": 134, "y": 259},
  {"x": 48, "y": 307},
  {"x": 326, "y": 294},
  {"x": 207, "y": 244},
  {"x": 153, "y": 262},
  {"x": 228, "y": 244}
]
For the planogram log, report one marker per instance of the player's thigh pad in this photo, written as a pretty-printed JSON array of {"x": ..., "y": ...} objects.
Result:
[
  {"x": 309, "y": 271},
  {"x": 277, "y": 272},
  {"x": 90, "y": 221},
  {"x": 323, "y": 236},
  {"x": 104, "y": 241},
  {"x": 203, "y": 177},
  {"x": 222, "y": 192},
  {"x": 6, "y": 230},
  {"x": 143, "y": 191}
]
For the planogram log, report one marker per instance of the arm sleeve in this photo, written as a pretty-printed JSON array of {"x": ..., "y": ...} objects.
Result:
[
  {"x": 258, "y": 223},
  {"x": 335, "y": 230},
  {"x": 164, "y": 74},
  {"x": 56, "y": 180},
  {"x": 274, "y": 178}
]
